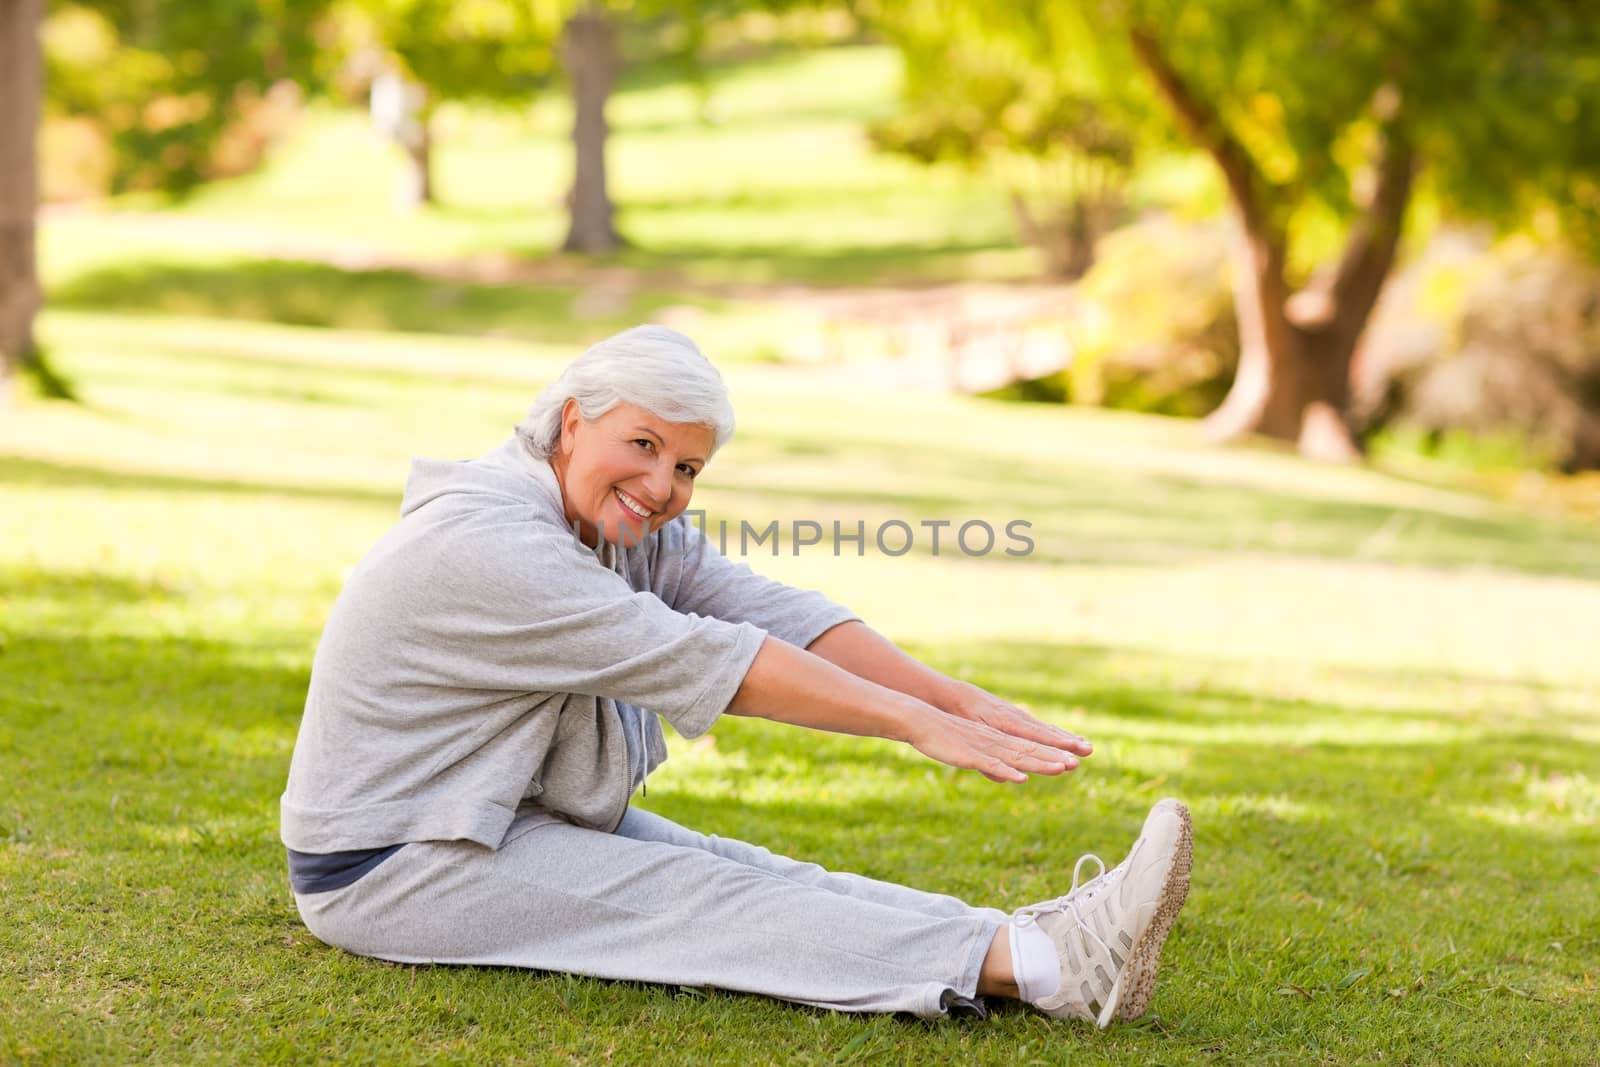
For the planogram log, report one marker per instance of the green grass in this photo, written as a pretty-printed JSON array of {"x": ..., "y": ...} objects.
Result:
[
  {"x": 315, "y": 294},
  {"x": 1379, "y": 698}
]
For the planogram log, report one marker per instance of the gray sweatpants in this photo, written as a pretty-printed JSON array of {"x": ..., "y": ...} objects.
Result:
[{"x": 655, "y": 902}]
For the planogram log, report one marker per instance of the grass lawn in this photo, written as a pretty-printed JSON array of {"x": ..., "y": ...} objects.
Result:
[{"x": 1379, "y": 698}]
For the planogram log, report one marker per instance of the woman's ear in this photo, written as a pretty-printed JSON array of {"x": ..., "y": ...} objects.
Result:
[{"x": 570, "y": 416}]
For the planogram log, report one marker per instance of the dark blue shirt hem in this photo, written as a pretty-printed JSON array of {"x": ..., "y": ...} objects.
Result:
[{"x": 313, "y": 872}]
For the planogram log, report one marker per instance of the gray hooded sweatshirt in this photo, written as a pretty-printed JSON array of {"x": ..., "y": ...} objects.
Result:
[{"x": 481, "y": 659}]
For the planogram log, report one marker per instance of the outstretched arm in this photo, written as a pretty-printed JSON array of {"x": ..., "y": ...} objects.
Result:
[
  {"x": 864, "y": 652},
  {"x": 792, "y": 685}
]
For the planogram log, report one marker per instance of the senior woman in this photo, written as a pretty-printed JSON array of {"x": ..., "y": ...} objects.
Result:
[{"x": 486, "y": 698}]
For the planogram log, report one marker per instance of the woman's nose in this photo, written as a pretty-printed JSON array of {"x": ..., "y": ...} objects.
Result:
[{"x": 658, "y": 480}]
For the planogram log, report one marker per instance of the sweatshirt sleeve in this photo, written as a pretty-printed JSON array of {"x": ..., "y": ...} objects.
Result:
[
  {"x": 529, "y": 610},
  {"x": 706, "y": 582}
]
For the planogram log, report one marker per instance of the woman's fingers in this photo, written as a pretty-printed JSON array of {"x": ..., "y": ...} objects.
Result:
[
  {"x": 1018, "y": 723},
  {"x": 998, "y": 770},
  {"x": 1042, "y": 764},
  {"x": 997, "y": 754},
  {"x": 979, "y": 705},
  {"x": 1013, "y": 760},
  {"x": 1054, "y": 735}
]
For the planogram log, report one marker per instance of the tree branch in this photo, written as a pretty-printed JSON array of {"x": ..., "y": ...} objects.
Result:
[
  {"x": 1348, "y": 292},
  {"x": 1205, "y": 127},
  {"x": 1370, "y": 250}
]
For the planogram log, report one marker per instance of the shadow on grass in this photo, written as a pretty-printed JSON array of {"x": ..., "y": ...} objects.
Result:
[
  {"x": 781, "y": 263},
  {"x": 315, "y": 294},
  {"x": 39, "y": 370},
  {"x": 1090, "y": 515},
  {"x": 1392, "y": 764},
  {"x": 27, "y": 583},
  {"x": 188, "y": 684},
  {"x": 1043, "y": 674},
  {"x": 44, "y": 474}
]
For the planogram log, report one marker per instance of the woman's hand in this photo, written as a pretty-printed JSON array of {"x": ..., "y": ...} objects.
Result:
[
  {"x": 963, "y": 725},
  {"x": 998, "y": 755},
  {"x": 975, "y": 704}
]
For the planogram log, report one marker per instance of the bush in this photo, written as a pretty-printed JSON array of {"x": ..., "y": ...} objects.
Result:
[
  {"x": 1153, "y": 326},
  {"x": 1502, "y": 344}
]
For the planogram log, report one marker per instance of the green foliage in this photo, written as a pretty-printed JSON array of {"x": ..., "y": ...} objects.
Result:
[
  {"x": 970, "y": 103},
  {"x": 507, "y": 50},
  {"x": 1520, "y": 87},
  {"x": 1040, "y": 74},
  {"x": 1152, "y": 325},
  {"x": 478, "y": 49},
  {"x": 1038, "y": 129},
  {"x": 164, "y": 80},
  {"x": 1490, "y": 348},
  {"x": 1498, "y": 99},
  {"x": 1469, "y": 451}
]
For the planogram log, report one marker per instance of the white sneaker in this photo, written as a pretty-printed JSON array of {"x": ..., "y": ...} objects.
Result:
[{"x": 1108, "y": 932}]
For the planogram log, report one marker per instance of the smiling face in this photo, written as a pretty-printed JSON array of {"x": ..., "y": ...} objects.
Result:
[{"x": 627, "y": 473}]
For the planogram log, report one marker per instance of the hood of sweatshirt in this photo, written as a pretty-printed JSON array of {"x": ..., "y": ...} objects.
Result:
[{"x": 509, "y": 472}]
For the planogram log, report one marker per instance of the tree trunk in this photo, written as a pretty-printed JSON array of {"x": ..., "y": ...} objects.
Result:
[
  {"x": 589, "y": 51},
  {"x": 21, "y": 84},
  {"x": 1067, "y": 240},
  {"x": 1293, "y": 383},
  {"x": 1295, "y": 350},
  {"x": 403, "y": 111},
  {"x": 416, "y": 184}
]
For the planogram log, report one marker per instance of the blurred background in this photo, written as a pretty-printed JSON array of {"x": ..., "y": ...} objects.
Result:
[
  {"x": 1279, "y": 323},
  {"x": 1370, "y": 231}
]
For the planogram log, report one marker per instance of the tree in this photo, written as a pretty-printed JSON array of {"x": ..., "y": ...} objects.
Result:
[
  {"x": 20, "y": 89},
  {"x": 500, "y": 50},
  {"x": 1321, "y": 118},
  {"x": 417, "y": 54},
  {"x": 505, "y": 50},
  {"x": 166, "y": 80},
  {"x": 971, "y": 98},
  {"x": 592, "y": 59},
  {"x": 1296, "y": 342},
  {"x": 403, "y": 110}
]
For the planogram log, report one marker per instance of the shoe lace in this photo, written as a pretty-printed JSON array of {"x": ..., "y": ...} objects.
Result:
[{"x": 1072, "y": 903}]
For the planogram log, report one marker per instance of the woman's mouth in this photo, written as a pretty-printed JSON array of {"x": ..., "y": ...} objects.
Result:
[{"x": 629, "y": 504}]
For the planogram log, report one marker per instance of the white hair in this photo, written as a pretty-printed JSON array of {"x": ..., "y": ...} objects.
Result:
[{"x": 652, "y": 367}]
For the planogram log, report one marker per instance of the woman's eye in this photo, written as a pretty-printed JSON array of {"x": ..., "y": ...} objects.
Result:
[
  {"x": 684, "y": 468},
  {"x": 644, "y": 443}
]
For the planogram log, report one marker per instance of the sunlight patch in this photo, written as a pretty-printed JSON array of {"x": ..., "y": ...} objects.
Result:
[{"x": 1275, "y": 806}]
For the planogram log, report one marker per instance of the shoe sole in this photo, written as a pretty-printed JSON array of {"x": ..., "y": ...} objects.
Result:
[{"x": 1130, "y": 996}]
